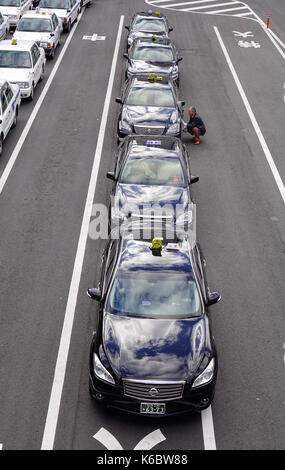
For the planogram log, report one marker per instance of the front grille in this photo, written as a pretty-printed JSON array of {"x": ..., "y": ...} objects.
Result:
[
  {"x": 149, "y": 130},
  {"x": 153, "y": 391}
]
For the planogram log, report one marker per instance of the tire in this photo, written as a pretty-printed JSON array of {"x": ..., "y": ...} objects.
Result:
[
  {"x": 42, "y": 74},
  {"x": 15, "y": 118},
  {"x": 1, "y": 145},
  {"x": 31, "y": 97},
  {"x": 51, "y": 55}
]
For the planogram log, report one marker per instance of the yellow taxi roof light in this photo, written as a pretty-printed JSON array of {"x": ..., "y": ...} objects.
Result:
[
  {"x": 156, "y": 244},
  {"x": 14, "y": 42}
]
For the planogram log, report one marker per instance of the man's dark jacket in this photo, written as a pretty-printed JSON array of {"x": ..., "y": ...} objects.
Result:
[{"x": 196, "y": 121}]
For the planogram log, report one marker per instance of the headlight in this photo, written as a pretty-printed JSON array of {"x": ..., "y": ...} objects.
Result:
[
  {"x": 130, "y": 41},
  {"x": 173, "y": 129},
  {"x": 124, "y": 126},
  {"x": 206, "y": 376},
  {"x": 13, "y": 17},
  {"x": 100, "y": 371},
  {"x": 43, "y": 44},
  {"x": 23, "y": 84}
]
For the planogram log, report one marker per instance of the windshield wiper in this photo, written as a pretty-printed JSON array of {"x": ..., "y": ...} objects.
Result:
[{"x": 157, "y": 62}]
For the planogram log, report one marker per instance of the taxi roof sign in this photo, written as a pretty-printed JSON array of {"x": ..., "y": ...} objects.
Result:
[
  {"x": 157, "y": 13},
  {"x": 156, "y": 244},
  {"x": 14, "y": 42}
]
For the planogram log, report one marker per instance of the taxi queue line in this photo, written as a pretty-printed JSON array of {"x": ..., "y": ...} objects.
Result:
[{"x": 36, "y": 28}]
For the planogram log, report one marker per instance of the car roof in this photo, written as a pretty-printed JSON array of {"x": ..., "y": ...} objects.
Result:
[
  {"x": 37, "y": 14},
  {"x": 153, "y": 146},
  {"x": 137, "y": 256},
  {"x": 150, "y": 14},
  {"x": 146, "y": 81},
  {"x": 150, "y": 41},
  {"x": 21, "y": 45}
]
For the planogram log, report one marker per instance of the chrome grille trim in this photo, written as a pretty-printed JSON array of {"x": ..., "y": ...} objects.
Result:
[
  {"x": 167, "y": 390},
  {"x": 144, "y": 130}
]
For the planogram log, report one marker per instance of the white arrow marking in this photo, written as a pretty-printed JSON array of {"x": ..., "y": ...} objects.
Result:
[
  {"x": 108, "y": 440},
  {"x": 94, "y": 37},
  {"x": 111, "y": 443},
  {"x": 151, "y": 440},
  {"x": 243, "y": 35}
]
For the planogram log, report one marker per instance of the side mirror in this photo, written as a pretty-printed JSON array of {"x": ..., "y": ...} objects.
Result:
[
  {"x": 0, "y": 121},
  {"x": 111, "y": 176},
  {"x": 194, "y": 179},
  {"x": 119, "y": 100},
  {"x": 51, "y": 35},
  {"x": 68, "y": 11},
  {"x": 127, "y": 27},
  {"x": 126, "y": 56},
  {"x": 94, "y": 294},
  {"x": 170, "y": 28},
  {"x": 179, "y": 59},
  {"x": 213, "y": 298}
]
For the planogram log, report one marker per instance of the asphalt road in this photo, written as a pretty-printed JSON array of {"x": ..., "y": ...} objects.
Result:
[
  {"x": 276, "y": 8},
  {"x": 240, "y": 227}
]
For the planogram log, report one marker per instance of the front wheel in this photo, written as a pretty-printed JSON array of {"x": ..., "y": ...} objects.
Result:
[
  {"x": 31, "y": 97},
  {"x": 15, "y": 118},
  {"x": 1, "y": 145}
]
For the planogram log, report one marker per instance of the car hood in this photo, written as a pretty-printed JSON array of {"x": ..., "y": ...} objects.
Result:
[
  {"x": 32, "y": 36},
  {"x": 154, "y": 349},
  {"x": 148, "y": 115},
  {"x": 9, "y": 11},
  {"x": 146, "y": 67},
  {"x": 15, "y": 75},
  {"x": 134, "y": 196}
]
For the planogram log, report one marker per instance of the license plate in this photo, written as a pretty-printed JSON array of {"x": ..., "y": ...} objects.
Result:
[{"x": 153, "y": 408}]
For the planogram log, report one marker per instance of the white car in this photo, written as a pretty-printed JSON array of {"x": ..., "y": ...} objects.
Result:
[
  {"x": 4, "y": 26},
  {"x": 22, "y": 63},
  {"x": 42, "y": 27},
  {"x": 10, "y": 100},
  {"x": 67, "y": 10},
  {"x": 14, "y": 10}
]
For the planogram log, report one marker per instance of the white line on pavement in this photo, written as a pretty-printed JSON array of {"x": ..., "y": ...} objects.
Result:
[
  {"x": 208, "y": 429},
  {"x": 62, "y": 357},
  {"x": 17, "y": 149},
  {"x": 257, "y": 129}
]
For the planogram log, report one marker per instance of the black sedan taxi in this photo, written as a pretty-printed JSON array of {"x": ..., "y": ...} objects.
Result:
[
  {"x": 152, "y": 179},
  {"x": 153, "y": 55},
  {"x": 150, "y": 106},
  {"x": 153, "y": 352},
  {"x": 147, "y": 24}
]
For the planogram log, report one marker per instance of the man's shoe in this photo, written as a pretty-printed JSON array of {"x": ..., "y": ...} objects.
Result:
[{"x": 197, "y": 142}]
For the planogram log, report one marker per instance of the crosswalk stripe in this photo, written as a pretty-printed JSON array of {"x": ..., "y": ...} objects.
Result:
[
  {"x": 232, "y": 8},
  {"x": 211, "y": 6},
  {"x": 228, "y": 9}
]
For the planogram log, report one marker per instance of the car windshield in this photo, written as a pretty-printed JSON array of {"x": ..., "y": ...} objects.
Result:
[
  {"x": 144, "y": 96},
  {"x": 151, "y": 170},
  {"x": 56, "y": 4},
  {"x": 154, "y": 25},
  {"x": 9, "y": 3},
  {"x": 15, "y": 59},
  {"x": 168, "y": 296},
  {"x": 35, "y": 24},
  {"x": 154, "y": 54}
]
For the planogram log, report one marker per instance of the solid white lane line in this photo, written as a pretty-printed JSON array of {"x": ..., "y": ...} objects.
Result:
[
  {"x": 208, "y": 429},
  {"x": 62, "y": 357},
  {"x": 17, "y": 149},
  {"x": 257, "y": 129}
]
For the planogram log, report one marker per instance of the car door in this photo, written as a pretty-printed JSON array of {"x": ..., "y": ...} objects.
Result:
[
  {"x": 56, "y": 28},
  {"x": 7, "y": 110},
  {"x": 37, "y": 66}
]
